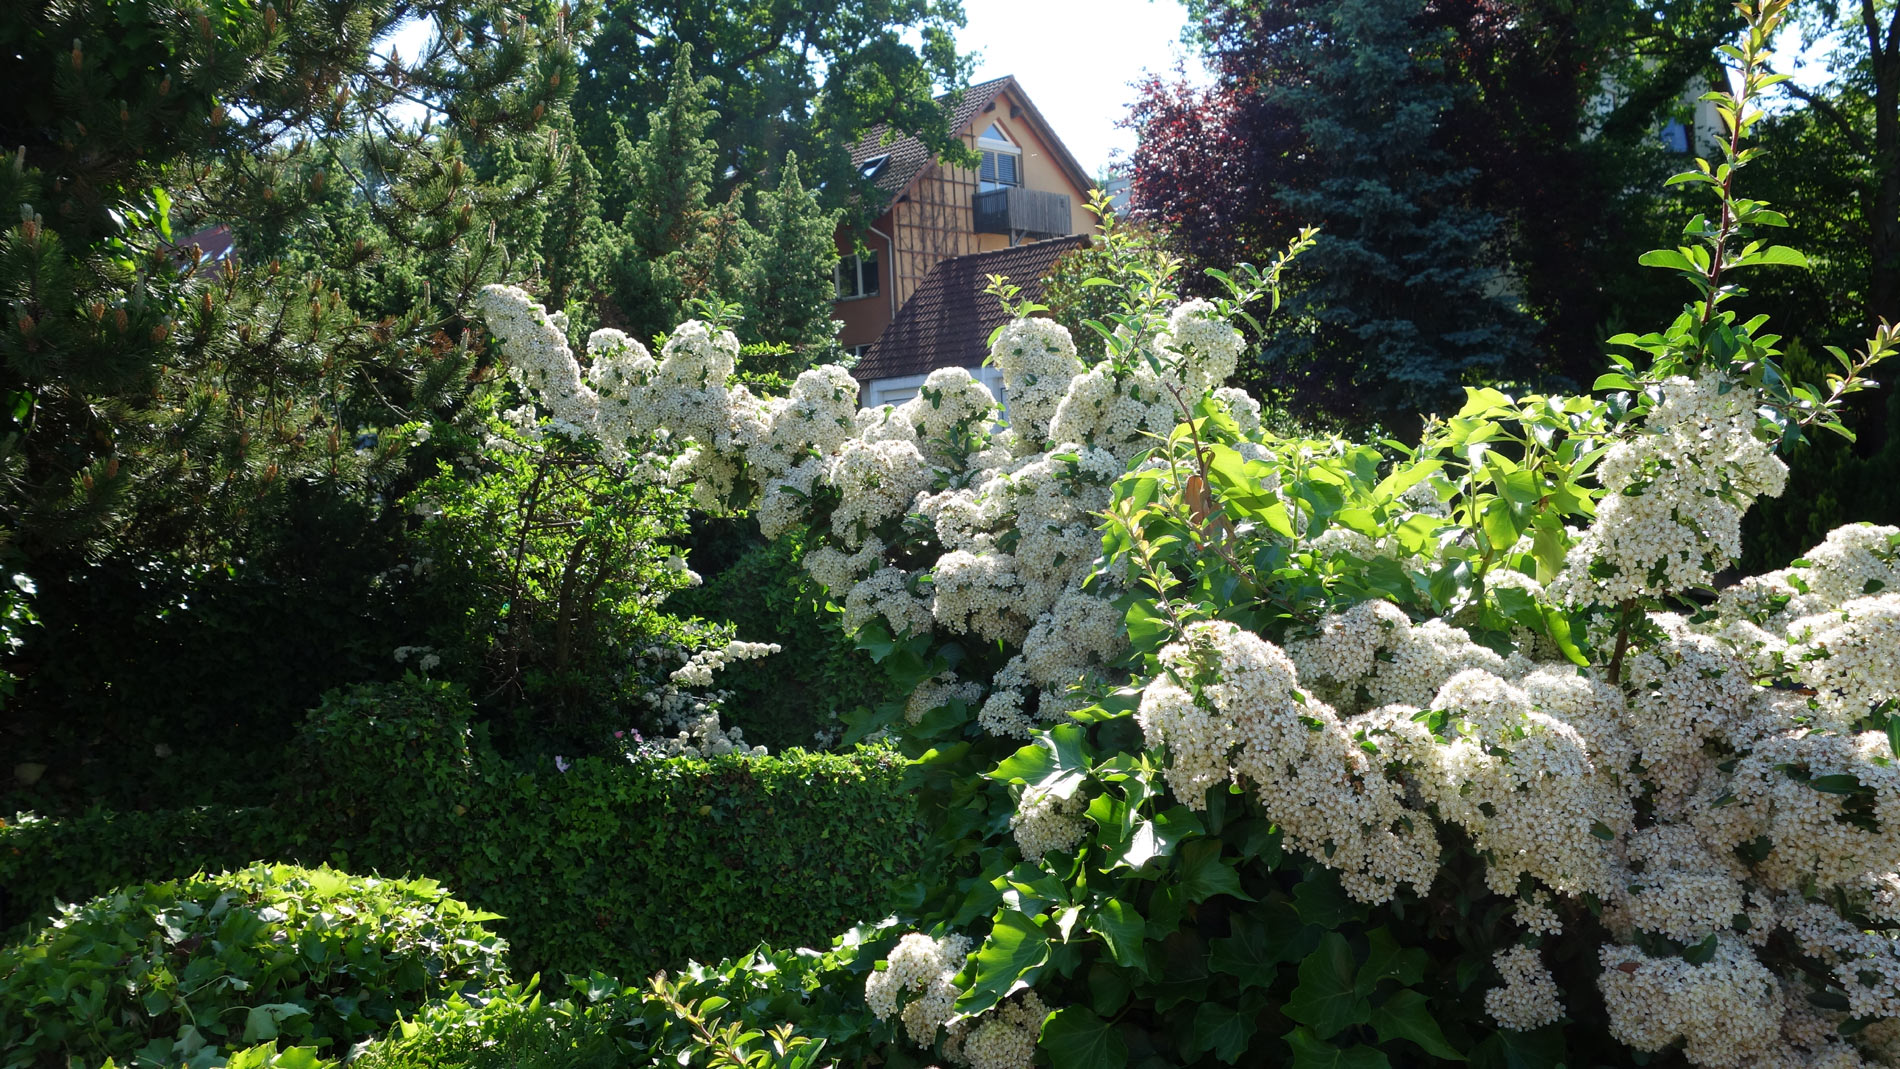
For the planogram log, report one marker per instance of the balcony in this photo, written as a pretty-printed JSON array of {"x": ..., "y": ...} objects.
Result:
[{"x": 1023, "y": 213}]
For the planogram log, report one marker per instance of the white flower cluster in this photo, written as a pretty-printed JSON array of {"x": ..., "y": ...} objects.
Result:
[
  {"x": 1674, "y": 496},
  {"x": 1004, "y": 1038},
  {"x": 1725, "y": 1012},
  {"x": 1248, "y": 724},
  {"x": 1013, "y": 517},
  {"x": 1528, "y": 998},
  {"x": 920, "y": 970},
  {"x": 702, "y": 737},
  {"x": 698, "y": 670},
  {"x": 1044, "y": 823}
]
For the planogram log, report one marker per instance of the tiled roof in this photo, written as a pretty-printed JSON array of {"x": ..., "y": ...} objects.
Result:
[
  {"x": 907, "y": 154},
  {"x": 947, "y": 321}
]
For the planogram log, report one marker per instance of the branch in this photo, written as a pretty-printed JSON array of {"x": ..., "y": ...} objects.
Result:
[{"x": 1832, "y": 113}]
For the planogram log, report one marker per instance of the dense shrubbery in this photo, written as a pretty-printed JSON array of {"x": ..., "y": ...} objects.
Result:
[
  {"x": 1363, "y": 752},
  {"x": 617, "y": 865},
  {"x": 181, "y": 971}
]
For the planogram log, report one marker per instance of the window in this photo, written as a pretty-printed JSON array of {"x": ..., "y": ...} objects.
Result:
[
  {"x": 857, "y": 276},
  {"x": 869, "y": 168},
  {"x": 1002, "y": 160}
]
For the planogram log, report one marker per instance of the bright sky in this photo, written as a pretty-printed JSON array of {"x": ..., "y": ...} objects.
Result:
[{"x": 1076, "y": 60}]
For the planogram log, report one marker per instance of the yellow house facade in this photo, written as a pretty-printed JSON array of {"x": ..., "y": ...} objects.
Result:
[{"x": 1027, "y": 188}]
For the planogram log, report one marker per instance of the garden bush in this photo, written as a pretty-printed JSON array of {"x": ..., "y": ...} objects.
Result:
[
  {"x": 621, "y": 865},
  {"x": 802, "y": 695},
  {"x": 175, "y": 972},
  {"x": 1255, "y": 750}
]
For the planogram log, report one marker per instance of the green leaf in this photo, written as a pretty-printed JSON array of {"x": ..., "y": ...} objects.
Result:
[
  {"x": 1386, "y": 960},
  {"x": 162, "y": 202},
  {"x": 1311, "y": 1052},
  {"x": 1505, "y": 1049},
  {"x": 1204, "y": 874},
  {"x": 1782, "y": 255},
  {"x": 1406, "y": 1015},
  {"x": 1893, "y": 734},
  {"x": 1122, "y": 929},
  {"x": 1702, "y": 953},
  {"x": 1015, "y": 947},
  {"x": 1612, "y": 381},
  {"x": 1225, "y": 1030},
  {"x": 1326, "y": 998},
  {"x": 1321, "y": 901},
  {"x": 1075, "y": 1038},
  {"x": 1056, "y": 761},
  {"x": 1669, "y": 258},
  {"x": 263, "y": 1022},
  {"x": 1837, "y": 783},
  {"x": 1259, "y": 944}
]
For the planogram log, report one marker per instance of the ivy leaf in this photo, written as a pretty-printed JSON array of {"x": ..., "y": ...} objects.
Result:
[
  {"x": 1122, "y": 929},
  {"x": 1225, "y": 1030},
  {"x": 1406, "y": 1016},
  {"x": 1204, "y": 874},
  {"x": 1015, "y": 947},
  {"x": 1258, "y": 946},
  {"x": 1386, "y": 960},
  {"x": 1321, "y": 901},
  {"x": 1074, "y": 1038},
  {"x": 1326, "y": 998},
  {"x": 1311, "y": 1052},
  {"x": 1158, "y": 837},
  {"x": 1056, "y": 762},
  {"x": 1504, "y": 1049}
]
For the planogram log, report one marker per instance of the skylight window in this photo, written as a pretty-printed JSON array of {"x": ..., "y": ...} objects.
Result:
[{"x": 869, "y": 168}]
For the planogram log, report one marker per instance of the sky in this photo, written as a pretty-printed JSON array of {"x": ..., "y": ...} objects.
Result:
[{"x": 1076, "y": 59}]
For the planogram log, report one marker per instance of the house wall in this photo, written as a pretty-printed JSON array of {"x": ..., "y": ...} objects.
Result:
[
  {"x": 865, "y": 318},
  {"x": 936, "y": 219}
]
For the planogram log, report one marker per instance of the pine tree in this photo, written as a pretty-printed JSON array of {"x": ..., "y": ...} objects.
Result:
[
  {"x": 663, "y": 244},
  {"x": 791, "y": 256},
  {"x": 1401, "y": 300}
]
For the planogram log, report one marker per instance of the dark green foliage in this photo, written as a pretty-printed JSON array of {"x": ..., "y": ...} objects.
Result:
[
  {"x": 788, "y": 288},
  {"x": 540, "y": 575},
  {"x": 798, "y": 696},
  {"x": 682, "y": 1020},
  {"x": 1400, "y": 302},
  {"x": 807, "y": 76},
  {"x": 172, "y": 972},
  {"x": 194, "y": 674},
  {"x": 621, "y": 866}
]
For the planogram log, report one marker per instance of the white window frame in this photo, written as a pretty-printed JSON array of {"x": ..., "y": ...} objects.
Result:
[
  {"x": 999, "y": 147},
  {"x": 857, "y": 269}
]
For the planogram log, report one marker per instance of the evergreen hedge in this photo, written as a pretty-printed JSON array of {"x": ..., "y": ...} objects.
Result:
[{"x": 619, "y": 866}]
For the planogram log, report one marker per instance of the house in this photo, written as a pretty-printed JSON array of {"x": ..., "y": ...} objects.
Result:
[
  {"x": 1027, "y": 188},
  {"x": 948, "y": 319}
]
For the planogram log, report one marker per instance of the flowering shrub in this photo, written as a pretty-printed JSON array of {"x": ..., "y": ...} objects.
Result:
[{"x": 1363, "y": 752}]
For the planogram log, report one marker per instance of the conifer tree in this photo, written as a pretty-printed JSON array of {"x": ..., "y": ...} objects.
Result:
[
  {"x": 665, "y": 238},
  {"x": 1398, "y": 303},
  {"x": 791, "y": 256}
]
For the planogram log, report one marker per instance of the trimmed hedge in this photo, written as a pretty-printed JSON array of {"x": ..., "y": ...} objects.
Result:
[{"x": 615, "y": 866}]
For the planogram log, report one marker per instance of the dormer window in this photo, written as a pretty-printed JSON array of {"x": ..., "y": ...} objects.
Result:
[{"x": 1002, "y": 165}]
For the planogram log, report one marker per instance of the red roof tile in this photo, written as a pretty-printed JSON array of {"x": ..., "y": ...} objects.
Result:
[{"x": 947, "y": 321}]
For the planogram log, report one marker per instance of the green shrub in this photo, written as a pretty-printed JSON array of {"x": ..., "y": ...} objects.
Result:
[
  {"x": 799, "y": 695},
  {"x": 173, "y": 972},
  {"x": 692, "y": 1019},
  {"x": 622, "y": 866},
  {"x": 380, "y": 770}
]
